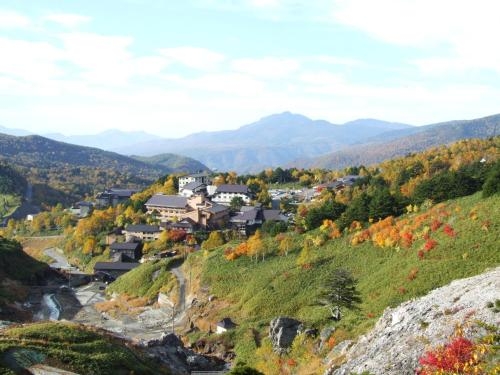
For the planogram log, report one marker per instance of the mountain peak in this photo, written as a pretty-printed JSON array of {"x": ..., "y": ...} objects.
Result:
[{"x": 284, "y": 116}]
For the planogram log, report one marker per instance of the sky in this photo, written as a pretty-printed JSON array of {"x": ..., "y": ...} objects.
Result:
[{"x": 173, "y": 68}]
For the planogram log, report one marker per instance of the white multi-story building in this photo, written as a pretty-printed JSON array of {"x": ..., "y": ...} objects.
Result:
[
  {"x": 225, "y": 194},
  {"x": 201, "y": 178}
]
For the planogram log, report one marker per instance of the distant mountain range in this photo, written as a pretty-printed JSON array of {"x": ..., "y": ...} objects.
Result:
[
  {"x": 399, "y": 143},
  {"x": 40, "y": 152},
  {"x": 288, "y": 140},
  {"x": 270, "y": 142},
  {"x": 106, "y": 140},
  {"x": 62, "y": 172}
]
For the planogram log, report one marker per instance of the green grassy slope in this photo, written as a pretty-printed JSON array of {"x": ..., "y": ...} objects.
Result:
[
  {"x": 258, "y": 291},
  {"x": 147, "y": 280},
  {"x": 74, "y": 348}
]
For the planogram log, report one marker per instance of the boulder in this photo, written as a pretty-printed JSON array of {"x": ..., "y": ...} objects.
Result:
[
  {"x": 282, "y": 332},
  {"x": 197, "y": 362}
]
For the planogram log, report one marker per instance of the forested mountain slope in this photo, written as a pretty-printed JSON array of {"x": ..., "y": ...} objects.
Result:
[{"x": 402, "y": 142}]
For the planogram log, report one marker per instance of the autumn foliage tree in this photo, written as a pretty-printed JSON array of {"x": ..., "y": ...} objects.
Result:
[
  {"x": 215, "y": 239},
  {"x": 256, "y": 245}
]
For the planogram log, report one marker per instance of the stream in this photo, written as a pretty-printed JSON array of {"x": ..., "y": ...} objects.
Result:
[{"x": 50, "y": 309}]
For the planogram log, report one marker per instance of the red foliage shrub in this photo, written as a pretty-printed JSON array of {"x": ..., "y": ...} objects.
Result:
[
  {"x": 331, "y": 342},
  {"x": 430, "y": 244},
  {"x": 176, "y": 235},
  {"x": 420, "y": 254},
  {"x": 435, "y": 225},
  {"x": 291, "y": 362},
  {"x": 449, "y": 231},
  {"x": 453, "y": 357},
  {"x": 401, "y": 290},
  {"x": 406, "y": 239}
]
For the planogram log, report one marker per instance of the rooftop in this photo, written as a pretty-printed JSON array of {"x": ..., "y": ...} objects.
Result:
[
  {"x": 227, "y": 188},
  {"x": 248, "y": 215},
  {"x": 226, "y": 323},
  {"x": 118, "y": 266},
  {"x": 124, "y": 246},
  {"x": 274, "y": 215},
  {"x": 193, "y": 185},
  {"x": 173, "y": 201},
  {"x": 145, "y": 228},
  {"x": 216, "y": 208}
]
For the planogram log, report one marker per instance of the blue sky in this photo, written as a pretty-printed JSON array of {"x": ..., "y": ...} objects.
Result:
[{"x": 176, "y": 67}]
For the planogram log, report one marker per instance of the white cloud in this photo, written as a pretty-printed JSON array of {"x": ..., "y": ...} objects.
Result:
[
  {"x": 322, "y": 79},
  {"x": 68, "y": 20},
  {"x": 29, "y": 61},
  {"x": 13, "y": 20},
  {"x": 275, "y": 10},
  {"x": 466, "y": 32},
  {"x": 264, "y": 3},
  {"x": 193, "y": 57},
  {"x": 268, "y": 67},
  {"x": 107, "y": 59},
  {"x": 222, "y": 83},
  {"x": 335, "y": 60}
]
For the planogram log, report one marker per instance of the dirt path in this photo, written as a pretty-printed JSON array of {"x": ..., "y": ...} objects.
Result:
[{"x": 60, "y": 261}]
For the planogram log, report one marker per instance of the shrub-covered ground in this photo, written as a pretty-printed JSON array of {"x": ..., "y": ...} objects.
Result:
[
  {"x": 71, "y": 347},
  {"x": 393, "y": 261}
]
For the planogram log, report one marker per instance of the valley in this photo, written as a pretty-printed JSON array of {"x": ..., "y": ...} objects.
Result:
[{"x": 215, "y": 265}]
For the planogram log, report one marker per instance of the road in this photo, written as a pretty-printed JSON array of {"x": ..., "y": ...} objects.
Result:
[
  {"x": 182, "y": 287},
  {"x": 60, "y": 261},
  {"x": 28, "y": 195}
]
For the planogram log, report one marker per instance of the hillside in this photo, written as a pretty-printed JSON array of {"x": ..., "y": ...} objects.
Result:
[
  {"x": 62, "y": 172},
  {"x": 70, "y": 347},
  {"x": 17, "y": 271},
  {"x": 402, "y": 142},
  {"x": 12, "y": 188},
  {"x": 272, "y": 141},
  {"x": 386, "y": 276},
  {"x": 174, "y": 162}
]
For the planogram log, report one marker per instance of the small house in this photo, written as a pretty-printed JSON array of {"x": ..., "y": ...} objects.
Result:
[
  {"x": 128, "y": 250},
  {"x": 225, "y": 325},
  {"x": 112, "y": 197},
  {"x": 142, "y": 232}
]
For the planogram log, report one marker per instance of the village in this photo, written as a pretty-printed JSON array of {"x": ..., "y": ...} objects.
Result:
[{"x": 198, "y": 206}]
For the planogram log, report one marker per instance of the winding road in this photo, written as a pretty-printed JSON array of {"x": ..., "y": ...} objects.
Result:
[{"x": 181, "y": 279}]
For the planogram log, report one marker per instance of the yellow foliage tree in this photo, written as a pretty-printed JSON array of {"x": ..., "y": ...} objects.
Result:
[
  {"x": 89, "y": 245},
  {"x": 255, "y": 245}
]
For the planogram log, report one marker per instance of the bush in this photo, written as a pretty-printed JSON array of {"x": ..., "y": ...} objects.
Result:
[{"x": 492, "y": 184}]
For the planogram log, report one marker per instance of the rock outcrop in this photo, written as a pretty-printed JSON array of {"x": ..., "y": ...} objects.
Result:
[
  {"x": 404, "y": 333},
  {"x": 282, "y": 331},
  {"x": 170, "y": 351}
]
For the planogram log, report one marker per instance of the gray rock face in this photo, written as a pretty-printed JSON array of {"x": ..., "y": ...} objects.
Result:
[
  {"x": 404, "y": 333},
  {"x": 170, "y": 350},
  {"x": 282, "y": 331}
]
